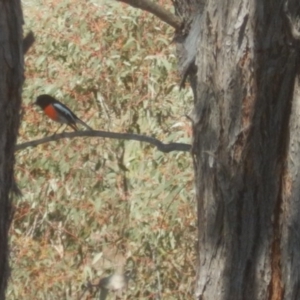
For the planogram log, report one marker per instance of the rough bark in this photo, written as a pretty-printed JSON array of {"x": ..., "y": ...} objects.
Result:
[
  {"x": 11, "y": 79},
  {"x": 246, "y": 147}
]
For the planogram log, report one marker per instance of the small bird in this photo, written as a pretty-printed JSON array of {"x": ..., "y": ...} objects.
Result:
[{"x": 58, "y": 112}]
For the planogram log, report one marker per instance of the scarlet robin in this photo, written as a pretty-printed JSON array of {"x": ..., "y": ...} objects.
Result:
[{"x": 58, "y": 112}]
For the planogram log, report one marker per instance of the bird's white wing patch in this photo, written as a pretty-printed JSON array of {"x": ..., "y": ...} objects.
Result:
[
  {"x": 64, "y": 110},
  {"x": 65, "y": 116}
]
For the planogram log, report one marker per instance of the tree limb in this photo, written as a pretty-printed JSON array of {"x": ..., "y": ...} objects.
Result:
[
  {"x": 166, "y": 148},
  {"x": 156, "y": 10}
]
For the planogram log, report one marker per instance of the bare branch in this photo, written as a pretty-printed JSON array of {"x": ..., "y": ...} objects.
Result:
[
  {"x": 28, "y": 41},
  {"x": 156, "y": 10},
  {"x": 166, "y": 148}
]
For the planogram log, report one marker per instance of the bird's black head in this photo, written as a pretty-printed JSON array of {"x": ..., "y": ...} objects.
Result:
[{"x": 44, "y": 100}]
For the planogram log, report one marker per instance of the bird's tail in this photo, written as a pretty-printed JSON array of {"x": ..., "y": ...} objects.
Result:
[{"x": 84, "y": 124}]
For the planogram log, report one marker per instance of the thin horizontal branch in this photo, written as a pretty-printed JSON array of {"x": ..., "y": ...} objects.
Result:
[
  {"x": 166, "y": 148},
  {"x": 156, "y": 10}
]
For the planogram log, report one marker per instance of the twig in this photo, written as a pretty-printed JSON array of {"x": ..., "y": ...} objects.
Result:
[
  {"x": 156, "y": 10},
  {"x": 28, "y": 41},
  {"x": 166, "y": 148},
  {"x": 158, "y": 294}
]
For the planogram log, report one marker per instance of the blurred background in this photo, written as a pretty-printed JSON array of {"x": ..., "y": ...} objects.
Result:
[{"x": 91, "y": 205}]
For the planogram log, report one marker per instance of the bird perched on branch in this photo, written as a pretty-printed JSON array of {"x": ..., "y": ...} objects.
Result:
[{"x": 58, "y": 112}]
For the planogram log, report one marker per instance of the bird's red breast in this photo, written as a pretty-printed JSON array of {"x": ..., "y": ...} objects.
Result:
[{"x": 51, "y": 112}]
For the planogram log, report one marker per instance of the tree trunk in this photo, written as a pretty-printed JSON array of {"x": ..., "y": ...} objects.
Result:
[
  {"x": 11, "y": 79},
  {"x": 246, "y": 145}
]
